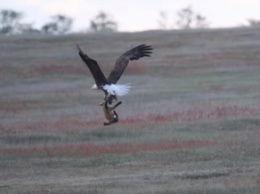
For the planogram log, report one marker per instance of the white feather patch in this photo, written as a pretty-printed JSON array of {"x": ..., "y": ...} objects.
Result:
[
  {"x": 94, "y": 87},
  {"x": 117, "y": 89}
]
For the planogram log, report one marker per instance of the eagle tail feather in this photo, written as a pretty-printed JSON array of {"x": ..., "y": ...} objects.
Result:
[{"x": 117, "y": 89}]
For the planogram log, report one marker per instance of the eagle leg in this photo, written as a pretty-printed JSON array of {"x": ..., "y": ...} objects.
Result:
[{"x": 109, "y": 99}]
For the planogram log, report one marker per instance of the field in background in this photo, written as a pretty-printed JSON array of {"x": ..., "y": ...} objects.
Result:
[{"x": 191, "y": 123}]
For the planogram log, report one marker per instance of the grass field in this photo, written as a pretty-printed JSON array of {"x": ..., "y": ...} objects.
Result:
[{"x": 191, "y": 123}]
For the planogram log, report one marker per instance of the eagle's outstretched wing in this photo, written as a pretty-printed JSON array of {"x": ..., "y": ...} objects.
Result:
[
  {"x": 94, "y": 68},
  {"x": 121, "y": 63}
]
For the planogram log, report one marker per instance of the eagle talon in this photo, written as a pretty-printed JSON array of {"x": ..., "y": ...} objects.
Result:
[{"x": 109, "y": 85}]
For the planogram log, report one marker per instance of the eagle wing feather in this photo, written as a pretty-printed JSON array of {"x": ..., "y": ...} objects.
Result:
[
  {"x": 122, "y": 62},
  {"x": 94, "y": 68}
]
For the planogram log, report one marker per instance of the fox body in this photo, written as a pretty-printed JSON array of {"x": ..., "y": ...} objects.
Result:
[{"x": 109, "y": 112}]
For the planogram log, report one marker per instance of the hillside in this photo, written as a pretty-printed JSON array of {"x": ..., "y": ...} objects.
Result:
[{"x": 190, "y": 123}]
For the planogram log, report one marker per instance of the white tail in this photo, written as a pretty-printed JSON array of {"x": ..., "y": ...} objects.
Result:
[{"x": 117, "y": 89}]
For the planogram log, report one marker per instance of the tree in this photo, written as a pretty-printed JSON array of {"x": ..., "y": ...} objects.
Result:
[
  {"x": 63, "y": 22},
  {"x": 163, "y": 21},
  {"x": 25, "y": 28},
  {"x": 50, "y": 28},
  {"x": 9, "y": 21},
  {"x": 60, "y": 24},
  {"x": 254, "y": 23},
  {"x": 103, "y": 23},
  {"x": 201, "y": 21},
  {"x": 185, "y": 18},
  {"x": 189, "y": 19}
]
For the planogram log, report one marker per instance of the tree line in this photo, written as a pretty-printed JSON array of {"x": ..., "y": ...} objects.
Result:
[
  {"x": 187, "y": 18},
  {"x": 11, "y": 22}
]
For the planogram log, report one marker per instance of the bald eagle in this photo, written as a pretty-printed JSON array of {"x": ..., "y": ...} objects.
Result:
[{"x": 109, "y": 85}]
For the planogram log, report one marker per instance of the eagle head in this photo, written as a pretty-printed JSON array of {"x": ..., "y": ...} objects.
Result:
[{"x": 94, "y": 87}]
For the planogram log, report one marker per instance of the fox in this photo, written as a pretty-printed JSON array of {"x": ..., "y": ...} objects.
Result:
[{"x": 110, "y": 114}]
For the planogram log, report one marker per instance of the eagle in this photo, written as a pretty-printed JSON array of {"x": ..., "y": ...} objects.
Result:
[{"x": 109, "y": 85}]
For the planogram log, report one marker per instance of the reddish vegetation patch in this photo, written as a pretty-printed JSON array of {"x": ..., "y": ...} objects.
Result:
[
  {"x": 79, "y": 68},
  {"x": 255, "y": 134},
  {"x": 4, "y": 129},
  {"x": 93, "y": 149},
  {"x": 205, "y": 113},
  {"x": 13, "y": 108},
  {"x": 45, "y": 125},
  {"x": 74, "y": 122},
  {"x": 58, "y": 68},
  {"x": 223, "y": 88},
  {"x": 215, "y": 58}
]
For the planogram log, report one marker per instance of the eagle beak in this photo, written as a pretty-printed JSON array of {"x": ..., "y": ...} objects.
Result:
[{"x": 94, "y": 87}]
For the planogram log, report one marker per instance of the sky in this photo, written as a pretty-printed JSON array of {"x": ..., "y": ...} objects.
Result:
[{"x": 136, "y": 15}]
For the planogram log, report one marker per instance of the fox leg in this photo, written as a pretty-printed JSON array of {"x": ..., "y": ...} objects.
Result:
[
  {"x": 116, "y": 105},
  {"x": 113, "y": 120}
]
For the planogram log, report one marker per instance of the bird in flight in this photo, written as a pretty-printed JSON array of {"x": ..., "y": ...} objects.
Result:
[{"x": 109, "y": 85}]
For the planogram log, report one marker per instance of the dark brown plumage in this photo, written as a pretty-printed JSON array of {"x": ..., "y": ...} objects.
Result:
[
  {"x": 122, "y": 62},
  {"x": 94, "y": 68},
  {"x": 108, "y": 85}
]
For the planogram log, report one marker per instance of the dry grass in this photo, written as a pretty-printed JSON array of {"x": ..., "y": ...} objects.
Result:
[{"x": 190, "y": 124}]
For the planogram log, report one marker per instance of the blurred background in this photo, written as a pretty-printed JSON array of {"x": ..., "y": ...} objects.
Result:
[
  {"x": 190, "y": 124},
  {"x": 72, "y": 16}
]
